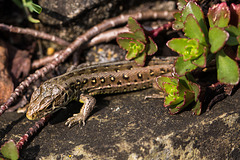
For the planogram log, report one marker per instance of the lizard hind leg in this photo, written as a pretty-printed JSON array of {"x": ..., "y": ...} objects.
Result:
[{"x": 88, "y": 105}]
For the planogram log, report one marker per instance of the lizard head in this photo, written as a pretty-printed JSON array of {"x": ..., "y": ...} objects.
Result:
[{"x": 46, "y": 99}]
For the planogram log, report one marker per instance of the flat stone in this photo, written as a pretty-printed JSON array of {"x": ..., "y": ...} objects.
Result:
[{"x": 125, "y": 126}]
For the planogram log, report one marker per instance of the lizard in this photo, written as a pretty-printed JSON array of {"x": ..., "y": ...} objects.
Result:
[{"x": 82, "y": 84}]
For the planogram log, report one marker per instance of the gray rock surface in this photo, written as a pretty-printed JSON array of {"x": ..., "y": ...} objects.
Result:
[{"x": 125, "y": 126}]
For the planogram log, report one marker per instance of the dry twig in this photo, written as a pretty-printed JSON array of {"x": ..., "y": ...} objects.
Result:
[{"x": 63, "y": 54}]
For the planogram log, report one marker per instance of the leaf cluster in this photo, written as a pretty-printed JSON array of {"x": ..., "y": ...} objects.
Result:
[
  {"x": 203, "y": 45},
  {"x": 136, "y": 42}
]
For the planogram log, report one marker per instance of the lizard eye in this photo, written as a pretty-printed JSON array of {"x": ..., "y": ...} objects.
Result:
[{"x": 35, "y": 94}]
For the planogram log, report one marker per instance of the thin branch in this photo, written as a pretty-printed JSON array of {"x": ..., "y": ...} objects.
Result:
[
  {"x": 101, "y": 38},
  {"x": 33, "y": 33},
  {"x": 34, "y": 129},
  {"x": 64, "y": 54}
]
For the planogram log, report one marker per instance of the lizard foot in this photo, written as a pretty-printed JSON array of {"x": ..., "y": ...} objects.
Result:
[{"x": 76, "y": 118}]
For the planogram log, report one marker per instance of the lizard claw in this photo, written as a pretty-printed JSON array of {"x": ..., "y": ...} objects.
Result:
[{"x": 76, "y": 118}]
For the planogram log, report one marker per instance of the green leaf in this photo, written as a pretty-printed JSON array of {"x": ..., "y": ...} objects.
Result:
[
  {"x": 201, "y": 60},
  {"x": 196, "y": 11},
  {"x": 181, "y": 4},
  {"x": 217, "y": 38},
  {"x": 177, "y": 16},
  {"x": 140, "y": 59},
  {"x": 177, "y": 25},
  {"x": 9, "y": 150},
  {"x": 227, "y": 69},
  {"x": 138, "y": 35},
  {"x": 197, "y": 108},
  {"x": 135, "y": 48},
  {"x": 32, "y": 6},
  {"x": 124, "y": 42},
  {"x": 133, "y": 25},
  {"x": 219, "y": 15},
  {"x": 238, "y": 53},
  {"x": 177, "y": 44},
  {"x": 151, "y": 47},
  {"x": 233, "y": 33},
  {"x": 182, "y": 67},
  {"x": 33, "y": 20},
  {"x": 193, "y": 30},
  {"x": 196, "y": 89},
  {"x": 189, "y": 48},
  {"x": 163, "y": 79}
]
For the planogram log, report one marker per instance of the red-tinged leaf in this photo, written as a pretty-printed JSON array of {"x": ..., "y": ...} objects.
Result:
[
  {"x": 140, "y": 35},
  {"x": 194, "y": 9},
  {"x": 140, "y": 59},
  {"x": 177, "y": 44},
  {"x": 219, "y": 15},
  {"x": 197, "y": 108},
  {"x": 124, "y": 42},
  {"x": 177, "y": 16},
  {"x": 193, "y": 30},
  {"x": 217, "y": 38},
  {"x": 133, "y": 24},
  {"x": 201, "y": 61},
  {"x": 188, "y": 98},
  {"x": 152, "y": 47},
  {"x": 135, "y": 48},
  {"x": 163, "y": 79},
  {"x": 227, "y": 69},
  {"x": 235, "y": 14},
  {"x": 196, "y": 89},
  {"x": 181, "y": 4},
  {"x": 9, "y": 150},
  {"x": 182, "y": 67},
  {"x": 233, "y": 33}
]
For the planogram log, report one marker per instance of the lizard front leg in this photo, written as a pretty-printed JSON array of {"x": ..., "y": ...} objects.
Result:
[{"x": 88, "y": 105}]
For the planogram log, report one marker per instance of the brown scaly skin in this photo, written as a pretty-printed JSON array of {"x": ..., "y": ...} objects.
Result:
[{"x": 81, "y": 84}]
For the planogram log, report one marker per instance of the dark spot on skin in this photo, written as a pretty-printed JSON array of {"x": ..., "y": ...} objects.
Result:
[
  {"x": 124, "y": 89},
  {"x": 119, "y": 83},
  {"x": 93, "y": 70},
  {"x": 135, "y": 80},
  {"x": 129, "y": 67},
  {"x": 65, "y": 97},
  {"x": 78, "y": 81},
  {"x": 85, "y": 81},
  {"x": 162, "y": 70},
  {"x": 112, "y": 78},
  {"x": 102, "y": 79},
  {"x": 117, "y": 70},
  {"x": 94, "y": 80},
  {"x": 125, "y": 76},
  {"x": 72, "y": 85},
  {"x": 139, "y": 75},
  {"x": 151, "y": 73}
]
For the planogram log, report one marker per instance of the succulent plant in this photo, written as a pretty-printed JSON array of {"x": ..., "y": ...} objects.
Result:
[
  {"x": 180, "y": 93},
  {"x": 136, "y": 42}
]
